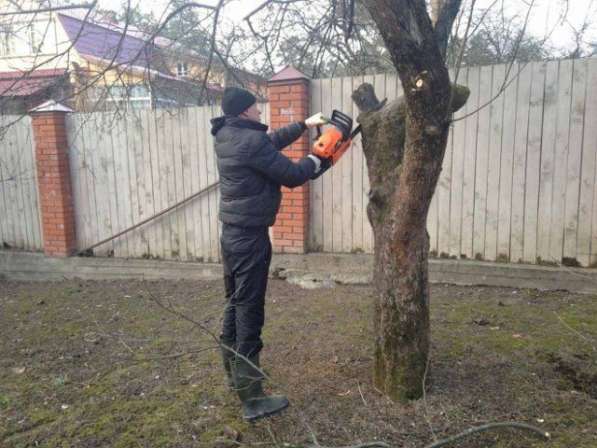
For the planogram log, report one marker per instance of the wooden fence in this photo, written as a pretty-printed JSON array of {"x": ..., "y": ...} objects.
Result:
[
  {"x": 20, "y": 225},
  {"x": 518, "y": 179},
  {"x": 128, "y": 168}
]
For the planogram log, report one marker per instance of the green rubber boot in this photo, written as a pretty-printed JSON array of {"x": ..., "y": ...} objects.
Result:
[
  {"x": 247, "y": 382},
  {"x": 228, "y": 355}
]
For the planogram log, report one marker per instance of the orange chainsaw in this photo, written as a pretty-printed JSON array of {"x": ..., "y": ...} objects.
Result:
[{"x": 335, "y": 140}]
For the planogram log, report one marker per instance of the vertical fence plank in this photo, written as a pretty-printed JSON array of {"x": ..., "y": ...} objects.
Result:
[
  {"x": 195, "y": 183},
  {"x": 316, "y": 186},
  {"x": 104, "y": 188},
  {"x": 90, "y": 221},
  {"x": 110, "y": 162},
  {"x": 21, "y": 183},
  {"x": 161, "y": 181},
  {"x": 548, "y": 151},
  {"x": 135, "y": 166},
  {"x": 458, "y": 150},
  {"x": 533, "y": 160},
  {"x": 327, "y": 178},
  {"x": 496, "y": 130},
  {"x": 121, "y": 184},
  {"x": 212, "y": 173},
  {"x": 33, "y": 187},
  {"x": 556, "y": 239},
  {"x": 344, "y": 166},
  {"x": 178, "y": 173},
  {"x": 587, "y": 222},
  {"x": 27, "y": 182},
  {"x": 149, "y": 207},
  {"x": 169, "y": 173},
  {"x": 160, "y": 186},
  {"x": 76, "y": 172},
  {"x": 358, "y": 171},
  {"x": 468, "y": 175},
  {"x": 188, "y": 147},
  {"x": 4, "y": 237},
  {"x": 506, "y": 164},
  {"x": 9, "y": 177},
  {"x": 573, "y": 165},
  {"x": 482, "y": 159},
  {"x": 171, "y": 142},
  {"x": 519, "y": 163},
  {"x": 367, "y": 229},
  {"x": 202, "y": 117},
  {"x": 17, "y": 198},
  {"x": 336, "y": 175}
]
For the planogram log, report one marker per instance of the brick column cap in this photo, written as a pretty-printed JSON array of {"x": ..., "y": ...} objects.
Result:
[
  {"x": 288, "y": 74},
  {"x": 51, "y": 106}
]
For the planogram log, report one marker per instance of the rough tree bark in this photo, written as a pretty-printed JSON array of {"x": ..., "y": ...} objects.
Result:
[{"x": 404, "y": 144}]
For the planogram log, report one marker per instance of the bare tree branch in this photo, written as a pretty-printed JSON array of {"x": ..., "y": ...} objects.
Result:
[
  {"x": 444, "y": 22},
  {"x": 490, "y": 426},
  {"x": 49, "y": 9}
]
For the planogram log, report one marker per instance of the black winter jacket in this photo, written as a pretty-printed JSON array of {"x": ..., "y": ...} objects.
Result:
[{"x": 252, "y": 169}]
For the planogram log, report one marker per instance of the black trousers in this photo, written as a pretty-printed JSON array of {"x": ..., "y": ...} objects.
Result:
[{"x": 246, "y": 255}]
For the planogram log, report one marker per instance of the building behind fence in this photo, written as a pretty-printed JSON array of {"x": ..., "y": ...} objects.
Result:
[{"x": 518, "y": 179}]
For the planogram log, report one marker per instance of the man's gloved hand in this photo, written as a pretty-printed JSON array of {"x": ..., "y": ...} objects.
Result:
[
  {"x": 316, "y": 120},
  {"x": 321, "y": 164}
]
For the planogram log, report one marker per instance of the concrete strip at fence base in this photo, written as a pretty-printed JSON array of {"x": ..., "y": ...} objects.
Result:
[
  {"x": 311, "y": 270},
  {"x": 357, "y": 269},
  {"x": 34, "y": 266}
]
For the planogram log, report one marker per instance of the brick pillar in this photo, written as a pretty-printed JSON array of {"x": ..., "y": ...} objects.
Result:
[
  {"x": 53, "y": 179},
  {"x": 288, "y": 94}
]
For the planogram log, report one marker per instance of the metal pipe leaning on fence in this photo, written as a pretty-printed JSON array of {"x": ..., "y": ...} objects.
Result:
[{"x": 87, "y": 250}]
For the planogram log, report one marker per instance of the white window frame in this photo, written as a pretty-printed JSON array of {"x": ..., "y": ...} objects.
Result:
[{"x": 34, "y": 46}]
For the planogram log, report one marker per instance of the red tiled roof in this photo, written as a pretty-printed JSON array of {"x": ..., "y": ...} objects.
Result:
[
  {"x": 288, "y": 73},
  {"x": 17, "y": 83}
]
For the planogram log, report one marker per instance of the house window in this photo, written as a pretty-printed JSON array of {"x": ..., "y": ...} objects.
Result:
[
  {"x": 182, "y": 69},
  {"x": 134, "y": 96},
  {"x": 6, "y": 41}
]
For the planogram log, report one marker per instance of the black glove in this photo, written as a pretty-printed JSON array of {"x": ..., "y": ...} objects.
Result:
[{"x": 325, "y": 165}]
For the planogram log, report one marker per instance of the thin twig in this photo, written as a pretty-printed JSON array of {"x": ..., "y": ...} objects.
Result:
[
  {"x": 360, "y": 445},
  {"x": 361, "y": 392},
  {"x": 49, "y": 9},
  {"x": 536, "y": 431},
  {"x": 576, "y": 332},
  {"x": 425, "y": 398},
  {"x": 271, "y": 434}
]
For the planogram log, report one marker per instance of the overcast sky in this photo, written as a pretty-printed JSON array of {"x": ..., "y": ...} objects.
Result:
[{"x": 543, "y": 19}]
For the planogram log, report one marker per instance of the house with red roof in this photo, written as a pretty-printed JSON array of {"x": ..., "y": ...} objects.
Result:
[{"x": 89, "y": 63}]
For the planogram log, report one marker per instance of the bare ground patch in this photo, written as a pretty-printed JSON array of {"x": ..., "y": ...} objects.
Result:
[{"x": 93, "y": 364}]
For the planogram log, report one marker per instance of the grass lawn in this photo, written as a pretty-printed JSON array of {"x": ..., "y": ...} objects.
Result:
[{"x": 100, "y": 364}]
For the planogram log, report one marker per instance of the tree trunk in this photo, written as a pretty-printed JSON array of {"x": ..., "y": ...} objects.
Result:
[{"x": 404, "y": 157}]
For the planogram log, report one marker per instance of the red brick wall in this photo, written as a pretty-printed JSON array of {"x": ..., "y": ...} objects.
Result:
[
  {"x": 289, "y": 102},
  {"x": 53, "y": 176}
]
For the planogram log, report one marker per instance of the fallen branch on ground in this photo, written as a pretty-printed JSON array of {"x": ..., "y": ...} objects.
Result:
[{"x": 487, "y": 427}]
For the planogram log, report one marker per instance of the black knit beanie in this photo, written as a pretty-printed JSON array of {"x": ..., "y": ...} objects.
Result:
[{"x": 235, "y": 100}]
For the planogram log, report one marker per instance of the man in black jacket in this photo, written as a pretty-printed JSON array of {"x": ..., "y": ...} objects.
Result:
[{"x": 252, "y": 170}]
